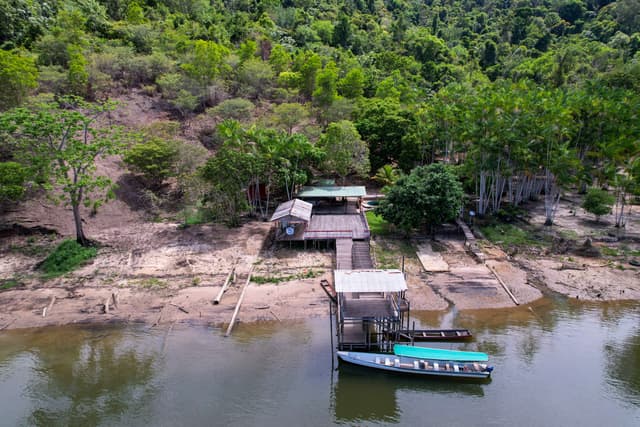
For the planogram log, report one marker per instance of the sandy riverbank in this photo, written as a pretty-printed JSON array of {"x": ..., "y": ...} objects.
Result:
[{"x": 163, "y": 274}]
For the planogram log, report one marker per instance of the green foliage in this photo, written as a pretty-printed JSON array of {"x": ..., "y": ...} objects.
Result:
[
  {"x": 289, "y": 115},
  {"x": 206, "y": 61},
  {"x": 345, "y": 152},
  {"x": 428, "y": 196},
  {"x": 18, "y": 75},
  {"x": 236, "y": 109},
  {"x": 326, "y": 87},
  {"x": 352, "y": 84},
  {"x": 13, "y": 177},
  {"x": 377, "y": 224},
  {"x": 7, "y": 284},
  {"x": 383, "y": 124},
  {"x": 255, "y": 77},
  {"x": 154, "y": 158},
  {"x": 63, "y": 138},
  {"x": 68, "y": 256},
  {"x": 387, "y": 175},
  {"x": 78, "y": 76},
  {"x": 508, "y": 235},
  {"x": 307, "y": 274},
  {"x": 22, "y": 21},
  {"x": 598, "y": 202}
]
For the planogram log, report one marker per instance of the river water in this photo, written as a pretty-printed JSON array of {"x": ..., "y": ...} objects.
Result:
[{"x": 558, "y": 363}]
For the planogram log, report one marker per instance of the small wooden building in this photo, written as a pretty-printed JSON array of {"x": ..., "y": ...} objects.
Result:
[{"x": 292, "y": 218}]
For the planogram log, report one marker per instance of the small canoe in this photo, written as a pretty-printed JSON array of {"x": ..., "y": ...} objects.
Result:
[
  {"x": 439, "y": 354},
  {"x": 436, "y": 334},
  {"x": 414, "y": 366}
]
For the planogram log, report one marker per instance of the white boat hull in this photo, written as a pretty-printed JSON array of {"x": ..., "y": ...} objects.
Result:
[{"x": 413, "y": 366}]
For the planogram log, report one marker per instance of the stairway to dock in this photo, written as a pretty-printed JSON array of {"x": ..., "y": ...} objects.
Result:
[{"x": 361, "y": 255}]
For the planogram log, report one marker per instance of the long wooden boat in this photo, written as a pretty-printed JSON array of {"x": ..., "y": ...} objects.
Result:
[
  {"x": 439, "y": 354},
  {"x": 435, "y": 334},
  {"x": 414, "y": 366}
]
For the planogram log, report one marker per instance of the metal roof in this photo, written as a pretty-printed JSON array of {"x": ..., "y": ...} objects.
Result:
[
  {"x": 295, "y": 209},
  {"x": 369, "y": 281},
  {"x": 332, "y": 191}
]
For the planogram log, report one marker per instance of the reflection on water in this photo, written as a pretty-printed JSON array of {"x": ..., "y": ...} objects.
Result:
[
  {"x": 361, "y": 394},
  {"x": 79, "y": 375},
  {"x": 558, "y": 362},
  {"x": 623, "y": 366}
]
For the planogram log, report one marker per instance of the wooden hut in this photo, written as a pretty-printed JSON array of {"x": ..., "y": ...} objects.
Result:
[{"x": 292, "y": 218}]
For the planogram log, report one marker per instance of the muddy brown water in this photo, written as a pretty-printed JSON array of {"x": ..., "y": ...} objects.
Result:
[{"x": 557, "y": 363}]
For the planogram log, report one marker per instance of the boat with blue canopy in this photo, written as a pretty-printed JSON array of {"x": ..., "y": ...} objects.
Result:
[{"x": 439, "y": 354}]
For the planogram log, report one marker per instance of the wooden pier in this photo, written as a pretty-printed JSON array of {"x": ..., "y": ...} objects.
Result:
[{"x": 370, "y": 305}]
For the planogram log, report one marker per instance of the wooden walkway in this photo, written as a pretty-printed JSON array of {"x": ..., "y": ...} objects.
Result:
[{"x": 344, "y": 249}]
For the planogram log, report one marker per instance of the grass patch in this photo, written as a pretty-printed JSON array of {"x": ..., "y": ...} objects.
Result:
[
  {"x": 377, "y": 225},
  {"x": 68, "y": 256},
  {"x": 389, "y": 255},
  {"x": 196, "y": 216},
  {"x": 9, "y": 284},
  {"x": 607, "y": 251},
  {"x": 508, "y": 235},
  {"x": 151, "y": 283},
  {"x": 309, "y": 274}
]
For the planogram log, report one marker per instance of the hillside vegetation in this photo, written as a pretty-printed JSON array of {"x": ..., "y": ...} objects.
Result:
[{"x": 525, "y": 98}]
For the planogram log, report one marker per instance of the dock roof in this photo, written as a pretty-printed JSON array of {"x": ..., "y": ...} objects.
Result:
[
  {"x": 293, "y": 210},
  {"x": 326, "y": 192},
  {"x": 359, "y": 281}
]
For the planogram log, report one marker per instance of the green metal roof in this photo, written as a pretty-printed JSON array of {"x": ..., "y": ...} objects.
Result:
[{"x": 331, "y": 191}]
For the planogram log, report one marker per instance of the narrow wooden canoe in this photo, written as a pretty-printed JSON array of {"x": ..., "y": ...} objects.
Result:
[
  {"x": 439, "y": 354},
  {"x": 414, "y": 366},
  {"x": 436, "y": 334}
]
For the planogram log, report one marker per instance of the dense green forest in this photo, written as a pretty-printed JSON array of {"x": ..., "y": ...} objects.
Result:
[{"x": 523, "y": 98}]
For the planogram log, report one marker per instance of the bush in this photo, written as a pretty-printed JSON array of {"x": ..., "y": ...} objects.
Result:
[
  {"x": 236, "y": 108},
  {"x": 133, "y": 70},
  {"x": 67, "y": 257},
  {"x": 155, "y": 159},
  {"x": 598, "y": 202}
]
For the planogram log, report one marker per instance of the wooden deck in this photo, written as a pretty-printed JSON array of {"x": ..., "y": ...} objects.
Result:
[{"x": 337, "y": 226}]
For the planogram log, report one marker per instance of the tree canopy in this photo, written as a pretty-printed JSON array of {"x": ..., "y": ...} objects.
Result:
[{"x": 428, "y": 196}]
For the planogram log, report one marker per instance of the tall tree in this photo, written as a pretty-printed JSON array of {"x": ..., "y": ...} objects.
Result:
[
  {"x": 345, "y": 152},
  {"x": 67, "y": 137},
  {"x": 428, "y": 196}
]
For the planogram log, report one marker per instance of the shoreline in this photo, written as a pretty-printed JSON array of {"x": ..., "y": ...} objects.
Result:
[{"x": 164, "y": 274}]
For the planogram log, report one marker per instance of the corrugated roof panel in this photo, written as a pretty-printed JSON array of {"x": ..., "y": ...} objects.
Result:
[
  {"x": 332, "y": 191},
  {"x": 296, "y": 208},
  {"x": 369, "y": 281}
]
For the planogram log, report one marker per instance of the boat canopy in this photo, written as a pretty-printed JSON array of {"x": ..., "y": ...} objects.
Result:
[
  {"x": 363, "y": 281},
  {"x": 439, "y": 354}
]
